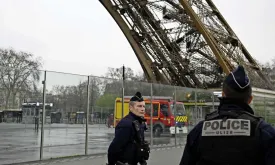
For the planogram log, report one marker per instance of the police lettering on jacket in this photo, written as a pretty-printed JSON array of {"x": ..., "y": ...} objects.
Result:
[{"x": 229, "y": 127}]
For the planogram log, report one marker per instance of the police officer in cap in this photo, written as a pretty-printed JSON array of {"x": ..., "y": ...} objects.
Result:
[
  {"x": 128, "y": 145},
  {"x": 232, "y": 135}
]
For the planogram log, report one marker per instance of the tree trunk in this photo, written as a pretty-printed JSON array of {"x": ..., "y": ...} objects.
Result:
[
  {"x": 14, "y": 100},
  {"x": 7, "y": 100}
]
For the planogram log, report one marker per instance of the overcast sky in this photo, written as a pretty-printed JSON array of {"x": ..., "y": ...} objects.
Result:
[{"x": 79, "y": 36}]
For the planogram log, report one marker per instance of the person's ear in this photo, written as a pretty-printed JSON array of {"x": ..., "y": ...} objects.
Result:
[
  {"x": 131, "y": 106},
  {"x": 250, "y": 99}
]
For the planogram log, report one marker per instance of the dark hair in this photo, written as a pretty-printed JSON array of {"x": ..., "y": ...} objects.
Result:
[{"x": 239, "y": 95}]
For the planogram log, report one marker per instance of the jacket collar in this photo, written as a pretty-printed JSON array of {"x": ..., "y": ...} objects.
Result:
[
  {"x": 135, "y": 117},
  {"x": 234, "y": 104}
]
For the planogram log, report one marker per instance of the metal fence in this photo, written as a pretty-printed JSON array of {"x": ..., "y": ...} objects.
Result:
[{"x": 63, "y": 114}]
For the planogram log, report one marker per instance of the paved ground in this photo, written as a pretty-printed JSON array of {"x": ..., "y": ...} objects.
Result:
[
  {"x": 23, "y": 144},
  {"x": 160, "y": 156},
  {"x": 20, "y": 143}
]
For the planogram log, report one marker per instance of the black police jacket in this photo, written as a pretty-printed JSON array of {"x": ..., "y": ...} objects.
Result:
[
  {"x": 123, "y": 147},
  {"x": 243, "y": 150}
]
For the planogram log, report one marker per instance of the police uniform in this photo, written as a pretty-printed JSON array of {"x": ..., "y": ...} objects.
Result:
[
  {"x": 129, "y": 140},
  {"x": 232, "y": 135}
]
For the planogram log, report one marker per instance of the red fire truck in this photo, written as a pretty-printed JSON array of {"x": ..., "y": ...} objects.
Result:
[{"x": 166, "y": 113}]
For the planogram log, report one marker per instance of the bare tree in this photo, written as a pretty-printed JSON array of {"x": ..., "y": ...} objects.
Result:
[
  {"x": 116, "y": 73},
  {"x": 73, "y": 98},
  {"x": 19, "y": 72},
  {"x": 273, "y": 62},
  {"x": 269, "y": 70}
]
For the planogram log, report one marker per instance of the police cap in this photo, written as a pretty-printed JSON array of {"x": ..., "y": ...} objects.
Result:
[
  {"x": 238, "y": 80},
  {"x": 137, "y": 97}
]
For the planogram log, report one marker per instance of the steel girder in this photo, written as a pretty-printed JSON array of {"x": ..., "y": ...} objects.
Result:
[{"x": 186, "y": 42}]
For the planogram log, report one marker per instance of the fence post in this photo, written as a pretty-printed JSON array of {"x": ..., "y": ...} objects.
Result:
[
  {"x": 123, "y": 78},
  {"x": 100, "y": 116},
  {"x": 175, "y": 114},
  {"x": 196, "y": 106},
  {"x": 252, "y": 104},
  {"x": 151, "y": 115},
  {"x": 43, "y": 115},
  {"x": 265, "y": 113},
  {"x": 213, "y": 101},
  {"x": 87, "y": 116},
  {"x": 92, "y": 105}
]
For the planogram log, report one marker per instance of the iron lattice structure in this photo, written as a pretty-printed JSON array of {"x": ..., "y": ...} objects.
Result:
[{"x": 186, "y": 42}]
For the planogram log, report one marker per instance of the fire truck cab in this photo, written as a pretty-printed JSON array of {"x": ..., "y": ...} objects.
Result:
[{"x": 167, "y": 114}]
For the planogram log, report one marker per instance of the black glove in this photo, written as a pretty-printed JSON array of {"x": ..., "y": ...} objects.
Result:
[{"x": 143, "y": 162}]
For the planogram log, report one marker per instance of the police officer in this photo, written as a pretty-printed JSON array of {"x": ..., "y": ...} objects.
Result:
[
  {"x": 232, "y": 135},
  {"x": 129, "y": 145}
]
